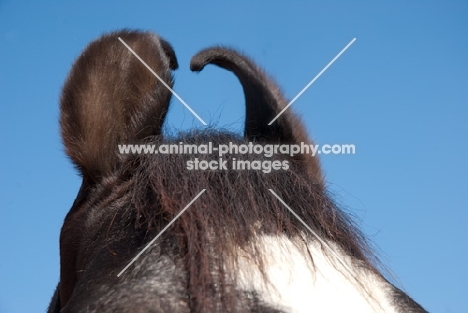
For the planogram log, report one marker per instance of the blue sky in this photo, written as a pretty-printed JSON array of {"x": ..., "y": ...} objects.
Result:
[{"x": 399, "y": 93}]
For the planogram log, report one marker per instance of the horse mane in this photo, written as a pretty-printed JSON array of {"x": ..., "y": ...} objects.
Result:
[{"x": 236, "y": 208}]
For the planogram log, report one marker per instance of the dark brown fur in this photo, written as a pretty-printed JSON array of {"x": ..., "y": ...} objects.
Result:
[
  {"x": 110, "y": 98},
  {"x": 125, "y": 201}
]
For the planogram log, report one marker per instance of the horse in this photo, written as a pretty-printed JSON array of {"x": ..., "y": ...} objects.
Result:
[{"x": 149, "y": 233}]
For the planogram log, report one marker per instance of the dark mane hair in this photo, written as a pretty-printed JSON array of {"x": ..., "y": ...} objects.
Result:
[
  {"x": 236, "y": 207},
  {"x": 126, "y": 200}
]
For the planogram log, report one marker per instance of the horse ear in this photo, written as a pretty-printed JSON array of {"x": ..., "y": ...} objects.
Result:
[
  {"x": 263, "y": 101},
  {"x": 111, "y": 98}
]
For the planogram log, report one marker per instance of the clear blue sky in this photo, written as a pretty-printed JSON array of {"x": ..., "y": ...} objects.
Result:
[{"x": 400, "y": 94}]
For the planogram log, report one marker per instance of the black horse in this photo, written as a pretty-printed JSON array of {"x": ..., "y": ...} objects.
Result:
[{"x": 238, "y": 247}]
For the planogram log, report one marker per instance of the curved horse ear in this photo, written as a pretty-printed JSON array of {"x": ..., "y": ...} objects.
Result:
[
  {"x": 111, "y": 98},
  {"x": 263, "y": 101}
]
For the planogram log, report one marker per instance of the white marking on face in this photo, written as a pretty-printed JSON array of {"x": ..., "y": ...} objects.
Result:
[{"x": 299, "y": 284}]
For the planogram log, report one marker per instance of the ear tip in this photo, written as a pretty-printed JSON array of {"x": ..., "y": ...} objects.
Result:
[
  {"x": 200, "y": 60},
  {"x": 170, "y": 53},
  {"x": 213, "y": 55},
  {"x": 173, "y": 65},
  {"x": 196, "y": 65}
]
